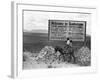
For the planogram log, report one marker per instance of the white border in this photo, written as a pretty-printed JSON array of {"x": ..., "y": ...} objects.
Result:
[{"x": 17, "y": 41}]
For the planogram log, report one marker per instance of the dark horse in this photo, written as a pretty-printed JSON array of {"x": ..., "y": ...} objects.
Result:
[{"x": 66, "y": 51}]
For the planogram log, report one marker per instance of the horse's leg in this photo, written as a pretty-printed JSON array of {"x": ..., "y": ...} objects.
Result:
[
  {"x": 74, "y": 58},
  {"x": 64, "y": 55},
  {"x": 69, "y": 57}
]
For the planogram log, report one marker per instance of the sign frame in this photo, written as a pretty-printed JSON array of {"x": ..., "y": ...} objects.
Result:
[{"x": 68, "y": 25}]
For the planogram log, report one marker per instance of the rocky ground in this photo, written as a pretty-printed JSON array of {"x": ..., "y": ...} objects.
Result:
[
  {"x": 47, "y": 58},
  {"x": 31, "y": 64}
]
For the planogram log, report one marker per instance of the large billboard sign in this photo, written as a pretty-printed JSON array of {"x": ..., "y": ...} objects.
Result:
[{"x": 63, "y": 29}]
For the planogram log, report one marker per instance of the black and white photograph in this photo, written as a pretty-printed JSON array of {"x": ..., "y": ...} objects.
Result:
[
  {"x": 52, "y": 40},
  {"x": 56, "y": 39}
]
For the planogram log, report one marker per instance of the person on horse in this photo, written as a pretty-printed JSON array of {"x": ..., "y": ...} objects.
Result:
[{"x": 68, "y": 50}]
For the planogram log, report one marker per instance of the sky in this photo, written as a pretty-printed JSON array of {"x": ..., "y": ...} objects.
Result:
[{"x": 36, "y": 20}]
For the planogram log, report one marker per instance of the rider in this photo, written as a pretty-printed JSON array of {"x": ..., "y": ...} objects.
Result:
[{"x": 68, "y": 49}]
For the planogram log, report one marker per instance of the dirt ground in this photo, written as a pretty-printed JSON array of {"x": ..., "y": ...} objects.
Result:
[{"x": 33, "y": 64}]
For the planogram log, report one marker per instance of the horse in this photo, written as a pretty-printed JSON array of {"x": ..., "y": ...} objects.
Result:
[{"x": 66, "y": 51}]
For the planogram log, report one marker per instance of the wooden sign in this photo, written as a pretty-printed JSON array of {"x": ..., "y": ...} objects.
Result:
[{"x": 63, "y": 29}]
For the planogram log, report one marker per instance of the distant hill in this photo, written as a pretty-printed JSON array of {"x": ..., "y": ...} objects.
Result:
[
  {"x": 36, "y": 41},
  {"x": 37, "y": 31}
]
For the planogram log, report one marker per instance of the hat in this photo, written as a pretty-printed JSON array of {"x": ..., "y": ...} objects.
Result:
[{"x": 67, "y": 39}]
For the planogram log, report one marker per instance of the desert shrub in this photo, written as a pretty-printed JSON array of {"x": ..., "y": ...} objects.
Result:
[
  {"x": 45, "y": 50},
  {"x": 46, "y": 53},
  {"x": 49, "y": 56},
  {"x": 26, "y": 56},
  {"x": 83, "y": 56}
]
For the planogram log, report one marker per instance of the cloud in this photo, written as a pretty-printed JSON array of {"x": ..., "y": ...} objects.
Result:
[
  {"x": 36, "y": 23},
  {"x": 39, "y": 20}
]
